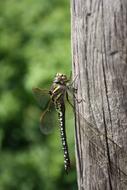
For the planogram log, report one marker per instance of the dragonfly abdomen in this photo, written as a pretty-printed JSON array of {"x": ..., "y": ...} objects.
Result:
[{"x": 61, "y": 116}]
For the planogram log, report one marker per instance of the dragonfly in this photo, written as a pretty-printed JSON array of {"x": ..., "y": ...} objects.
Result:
[
  {"x": 59, "y": 91},
  {"x": 57, "y": 94}
]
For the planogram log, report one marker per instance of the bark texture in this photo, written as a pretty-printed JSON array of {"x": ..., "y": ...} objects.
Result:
[{"x": 99, "y": 52}]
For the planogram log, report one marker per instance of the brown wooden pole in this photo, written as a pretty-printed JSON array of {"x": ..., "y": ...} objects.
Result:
[{"x": 99, "y": 59}]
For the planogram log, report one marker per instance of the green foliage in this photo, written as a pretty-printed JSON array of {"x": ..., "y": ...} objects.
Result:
[{"x": 34, "y": 45}]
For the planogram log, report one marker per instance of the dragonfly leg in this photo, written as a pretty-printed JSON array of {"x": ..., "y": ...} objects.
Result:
[
  {"x": 78, "y": 100},
  {"x": 74, "y": 80},
  {"x": 74, "y": 90}
]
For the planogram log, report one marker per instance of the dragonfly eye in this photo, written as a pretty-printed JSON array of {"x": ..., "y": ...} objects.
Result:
[
  {"x": 59, "y": 75},
  {"x": 60, "y": 78}
]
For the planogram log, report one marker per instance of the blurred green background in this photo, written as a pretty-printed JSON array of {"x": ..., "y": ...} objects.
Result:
[{"x": 34, "y": 46}]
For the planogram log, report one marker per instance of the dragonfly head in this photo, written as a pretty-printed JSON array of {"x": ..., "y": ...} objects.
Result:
[{"x": 61, "y": 79}]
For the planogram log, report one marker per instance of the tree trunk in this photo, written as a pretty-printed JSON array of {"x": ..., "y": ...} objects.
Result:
[{"x": 99, "y": 51}]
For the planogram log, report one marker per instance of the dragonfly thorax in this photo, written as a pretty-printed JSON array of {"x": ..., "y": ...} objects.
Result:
[
  {"x": 59, "y": 88},
  {"x": 57, "y": 92}
]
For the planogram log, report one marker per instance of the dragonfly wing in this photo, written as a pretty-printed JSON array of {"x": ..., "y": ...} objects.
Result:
[
  {"x": 48, "y": 110},
  {"x": 42, "y": 97},
  {"x": 48, "y": 119},
  {"x": 90, "y": 129}
]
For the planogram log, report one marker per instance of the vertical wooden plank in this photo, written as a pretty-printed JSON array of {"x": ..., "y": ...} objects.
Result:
[{"x": 99, "y": 59}]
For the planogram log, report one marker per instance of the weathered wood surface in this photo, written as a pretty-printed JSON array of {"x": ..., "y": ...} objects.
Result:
[{"x": 99, "y": 53}]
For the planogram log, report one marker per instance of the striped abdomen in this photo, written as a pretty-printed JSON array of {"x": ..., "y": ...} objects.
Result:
[{"x": 61, "y": 116}]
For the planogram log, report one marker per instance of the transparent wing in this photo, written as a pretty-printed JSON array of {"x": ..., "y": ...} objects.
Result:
[
  {"x": 100, "y": 142},
  {"x": 47, "y": 119},
  {"x": 90, "y": 128},
  {"x": 42, "y": 97}
]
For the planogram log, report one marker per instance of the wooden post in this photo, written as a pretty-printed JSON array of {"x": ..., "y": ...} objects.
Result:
[{"x": 99, "y": 53}]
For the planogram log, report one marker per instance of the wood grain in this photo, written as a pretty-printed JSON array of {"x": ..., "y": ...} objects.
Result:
[{"x": 99, "y": 59}]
